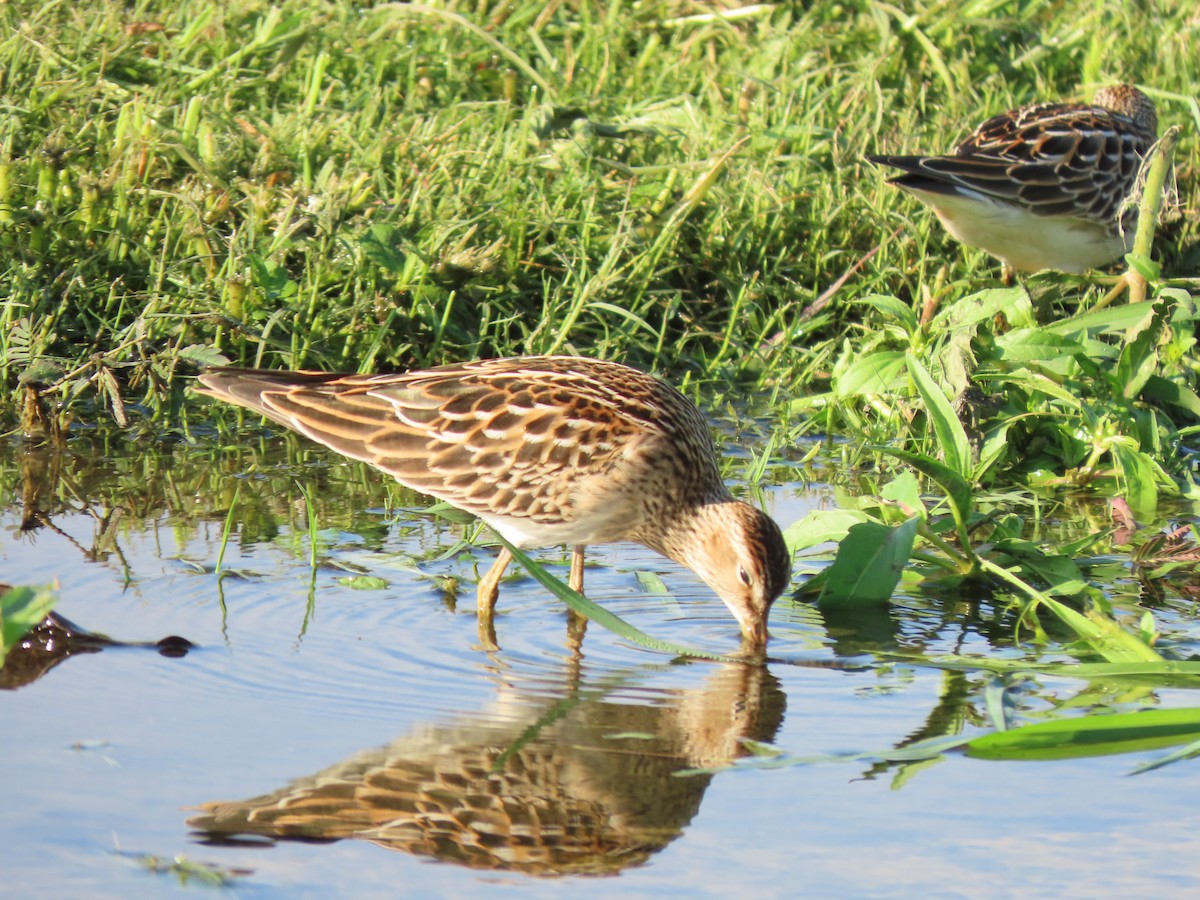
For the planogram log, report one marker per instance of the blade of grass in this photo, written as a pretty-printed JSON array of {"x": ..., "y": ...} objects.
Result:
[
  {"x": 958, "y": 490},
  {"x": 227, "y": 531},
  {"x": 1186, "y": 752},
  {"x": 1097, "y": 735},
  {"x": 310, "y": 511},
  {"x": 869, "y": 564},
  {"x": 601, "y": 616},
  {"x": 952, "y": 439}
]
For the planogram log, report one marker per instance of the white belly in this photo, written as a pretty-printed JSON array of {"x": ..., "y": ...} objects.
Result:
[{"x": 1026, "y": 241}]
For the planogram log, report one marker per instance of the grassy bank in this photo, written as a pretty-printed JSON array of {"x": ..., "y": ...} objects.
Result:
[{"x": 678, "y": 185}]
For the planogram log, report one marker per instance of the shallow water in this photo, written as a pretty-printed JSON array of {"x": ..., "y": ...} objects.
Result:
[{"x": 321, "y": 739}]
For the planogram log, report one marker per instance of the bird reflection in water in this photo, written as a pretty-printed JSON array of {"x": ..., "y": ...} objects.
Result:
[{"x": 582, "y": 786}]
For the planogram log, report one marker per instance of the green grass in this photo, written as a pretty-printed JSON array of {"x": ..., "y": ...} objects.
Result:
[{"x": 345, "y": 187}]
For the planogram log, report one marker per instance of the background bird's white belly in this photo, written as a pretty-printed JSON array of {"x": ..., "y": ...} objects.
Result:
[{"x": 1026, "y": 241}]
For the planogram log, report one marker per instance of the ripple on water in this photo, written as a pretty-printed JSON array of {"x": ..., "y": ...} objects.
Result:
[{"x": 373, "y": 652}]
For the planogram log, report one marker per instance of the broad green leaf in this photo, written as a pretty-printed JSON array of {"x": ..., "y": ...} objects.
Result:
[
  {"x": 994, "y": 448},
  {"x": 1111, "y": 319},
  {"x": 1060, "y": 573},
  {"x": 381, "y": 245},
  {"x": 22, "y": 609},
  {"x": 894, "y": 309},
  {"x": 869, "y": 564},
  {"x": 1159, "y": 390},
  {"x": 1007, "y": 526},
  {"x": 1144, "y": 266},
  {"x": 876, "y": 373},
  {"x": 1096, "y": 735},
  {"x": 39, "y": 371},
  {"x": 1012, "y": 302},
  {"x": 952, "y": 439},
  {"x": 821, "y": 526},
  {"x": 1033, "y": 383},
  {"x": 957, "y": 362},
  {"x": 272, "y": 276},
  {"x": 652, "y": 583},
  {"x": 1141, "y": 487},
  {"x": 1036, "y": 345},
  {"x": 1139, "y": 355},
  {"x": 956, "y": 487},
  {"x": 905, "y": 490}
]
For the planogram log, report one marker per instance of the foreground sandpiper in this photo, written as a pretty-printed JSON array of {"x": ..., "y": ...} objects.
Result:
[
  {"x": 1041, "y": 187},
  {"x": 546, "y": 450}
]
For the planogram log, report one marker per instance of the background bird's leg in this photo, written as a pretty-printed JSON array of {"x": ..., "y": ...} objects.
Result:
[{"x": 1129, "y": 281}]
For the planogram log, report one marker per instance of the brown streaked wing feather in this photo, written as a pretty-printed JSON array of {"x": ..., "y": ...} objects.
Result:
[
  {"x": 504, "y": 440},
  {"x": 1064, "y": 158},
  {"x": 507, "y": 436},
  {"x": 247, "y": 387},
  {"x": 1051, "y": 158}
]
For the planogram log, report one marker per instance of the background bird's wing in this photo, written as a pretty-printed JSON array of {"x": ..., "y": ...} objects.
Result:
[{"x": 1052, "y": 159}]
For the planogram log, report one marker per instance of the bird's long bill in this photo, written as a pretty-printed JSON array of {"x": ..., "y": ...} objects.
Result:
[{"x": 756, "y": 632}]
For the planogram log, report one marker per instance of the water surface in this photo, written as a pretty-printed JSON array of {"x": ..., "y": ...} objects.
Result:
[{"x": 320, "y": 738}]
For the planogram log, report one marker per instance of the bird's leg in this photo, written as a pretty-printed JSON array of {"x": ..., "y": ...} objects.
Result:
[
  {"x": 487, "y": 592},
  {"x": 576, "y": 624},
  {"x": 487, "y": 632},
  {"x": 1131, "y": 281},
  {"x": 576, "y": 580},
  {"x": 489, "y": 584}
]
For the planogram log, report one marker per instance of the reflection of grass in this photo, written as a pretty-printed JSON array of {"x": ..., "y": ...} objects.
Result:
[
  {"x": 189, "y": 871},
  {"x": 190, "y": 485}
]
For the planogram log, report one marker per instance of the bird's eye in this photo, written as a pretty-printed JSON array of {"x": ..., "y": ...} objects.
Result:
[{"x": 745, "y": 577}]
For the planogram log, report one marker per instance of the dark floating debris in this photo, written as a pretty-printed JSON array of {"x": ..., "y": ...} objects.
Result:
[{"x": 57, "y": 638}]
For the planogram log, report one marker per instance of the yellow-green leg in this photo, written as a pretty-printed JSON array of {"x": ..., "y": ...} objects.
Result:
[
  {"x": 489, "y": 584},
  {"x": 576, "y": 624},
  {"x": 576, "y": 579},
  {"x": 485, "y": 600}
]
